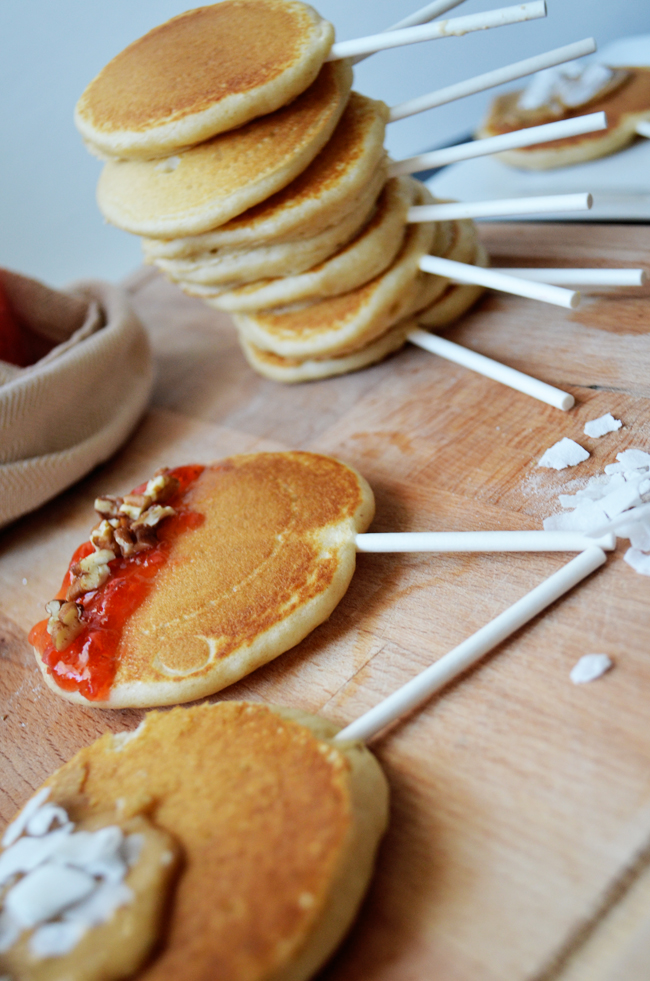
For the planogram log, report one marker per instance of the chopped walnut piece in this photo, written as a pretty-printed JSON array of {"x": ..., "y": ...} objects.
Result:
[
  {"x": 152, "y": 516},
  {"x": 134, "y": 504},
  {"x": 108, "y": 507},
  {"x": 125, "y": 540},
  {"x": 145, "y": 538},
  {"x": 161, "y": 487},
  {"x": 102, "y": 536},
  {"x": 90, "y": 573},
  {"x": 65, "y": 622}
]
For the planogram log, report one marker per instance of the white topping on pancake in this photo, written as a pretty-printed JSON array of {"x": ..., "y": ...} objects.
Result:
[
  {"x": 565, "y": 86},
  {"x": 59, "y": 882}
]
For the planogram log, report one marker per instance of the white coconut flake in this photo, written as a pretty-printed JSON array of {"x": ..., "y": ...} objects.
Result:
[
  {"x": 565, "y": 453},
  {"x": 633, "y": 459},
  {"x": 565, "y": 86},
  {"x": 602, "y": 425},
  {"x": 61, "y": 882},
  {"x": 16, "y": 828},
  {"x": 640, "y": 561},
  {"x": 590, "y": 667}
]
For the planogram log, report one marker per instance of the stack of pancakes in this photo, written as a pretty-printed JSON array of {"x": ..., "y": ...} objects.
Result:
[{"x": 258, "y": 182}]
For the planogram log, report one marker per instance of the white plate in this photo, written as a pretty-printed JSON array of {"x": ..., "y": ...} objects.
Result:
[{"x": 619, "y": 183}]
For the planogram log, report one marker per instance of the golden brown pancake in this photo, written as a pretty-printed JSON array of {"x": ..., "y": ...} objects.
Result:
[
  {"x": 625, "y": 106},
  {"x": 204, "y": 72},
  {"x": 357, "y": 261},
  {"x": 351, "y": 166},
  {"x": 278, "y": 827},
  {"x": 216, "y": 180},
  {"x": 292, "y": 370},
  {"x": 271, "y": 556},
  {"x": 340, "y": 324}
]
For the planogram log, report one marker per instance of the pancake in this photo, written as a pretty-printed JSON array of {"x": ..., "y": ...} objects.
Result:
[
  {"x": 627, "y": 105},
  {"x": 242, "y": 266},
  {"x": 360, "y": 260},
  {"x": 351, "y": 166},
  {"x": 204, "y": 72},
  {"x": 452, "y": 301},
  {"x": 278, "y": 827},
  {"x": 292, "y": 370},
  {"x": 212, "y": 182},
  {"x": 340, "y": 324},
  {"x": 260, "y": 552},
  {"x": 456, "y": 300}
]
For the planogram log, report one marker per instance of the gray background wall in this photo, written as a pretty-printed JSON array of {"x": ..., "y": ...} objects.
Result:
[{"x": 49, "y": 223}]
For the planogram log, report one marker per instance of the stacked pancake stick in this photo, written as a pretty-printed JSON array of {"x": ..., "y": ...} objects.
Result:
[
  {"x": 276, "y": 815},
  {"x": 289, "y": 220}
]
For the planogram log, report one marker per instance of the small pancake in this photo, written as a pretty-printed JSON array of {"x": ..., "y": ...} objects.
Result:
[
  {"x": 183, "y": 82},
  {"x": 216, "y": 180},
  {"x": 358, "y": 261},
  {"x": 341, "y": 324},
  {"x": 350, "y": 166},
  {"x": 230, "y": 268},
  {"x": 278, "y": 826},
  {"x": 270, "y": 560},
  {"x": 291, "y": 370},
  {"x": 625, "y": 106}
]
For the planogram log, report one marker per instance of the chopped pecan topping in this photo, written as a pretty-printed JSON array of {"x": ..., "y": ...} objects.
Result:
[
  {"x": 65, "y": 622},
  {"x": 108, "y": 507},
  {"x": 128, "y": 526},
  {"x": 102, "y": 536},
  {"x": 91, "y": 573},
  {"x": 152, "y": 516}
]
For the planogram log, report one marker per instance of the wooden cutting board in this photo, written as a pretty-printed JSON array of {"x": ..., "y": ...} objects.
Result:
[{"x": 520, "y": 828}]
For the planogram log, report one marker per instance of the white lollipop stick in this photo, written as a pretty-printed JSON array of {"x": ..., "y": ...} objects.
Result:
[
  {"x": 643, "y": 128},
  {"x": 492, "y": 369},
  {"x": 528, "y": 136},
  {"x": 582, "y": 277},
  {"x": 464, "y": 272},
  {"x": 489, "y": 79},
  {"x": 480, "y": 541},
  {"x": 421, "y": 16},
  {"x": 455, "y": 27},
  {"x": 541, "y": 204},
  {"x": 426, "y": 14},
  {"x": 420, "y": 689}
]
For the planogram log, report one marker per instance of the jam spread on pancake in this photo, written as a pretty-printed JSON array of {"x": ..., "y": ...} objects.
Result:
[{"x": 95, "y": 618}]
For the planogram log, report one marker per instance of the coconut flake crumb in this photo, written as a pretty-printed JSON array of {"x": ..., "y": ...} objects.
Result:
[
  {"x": 618, "y": 500},
  {"x": 605, "y": 424},
  {"x": 590, "y": 667},
  {"x": 565, "y": 453}
]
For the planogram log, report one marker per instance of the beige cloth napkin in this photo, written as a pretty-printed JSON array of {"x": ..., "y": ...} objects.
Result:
[{"x": 72, "y": 409}]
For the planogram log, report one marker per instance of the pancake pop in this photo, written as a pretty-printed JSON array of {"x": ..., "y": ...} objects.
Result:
[
  {"x": 276, "y": 814},
  {"x": 206, "y": 573}
]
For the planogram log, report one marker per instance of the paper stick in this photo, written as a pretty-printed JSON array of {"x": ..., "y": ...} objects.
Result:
[
  {"x": 480, "y": 541},
  {"x": 541, "y": 204},
  {"x": 492, "y": 369},
  {"x": 465, "y": 272},
  {"x": 421, "y": 16},
  {"x": 455, "y": 27},
  {"x": 426, "y": 14},
  {"x": 489, "y": 79},
  {"x": 420, "y": 689},
  {"x": 582, "y": 277},
  {"x": 624, "y": 518},
  {"x": 643, "y": 128},
  {"x": 529, "y": 136}
]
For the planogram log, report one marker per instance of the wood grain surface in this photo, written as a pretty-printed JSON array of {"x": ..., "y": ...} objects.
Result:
[{"x": 520, "y": 830}]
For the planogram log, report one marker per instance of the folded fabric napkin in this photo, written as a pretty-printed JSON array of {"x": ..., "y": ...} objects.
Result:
[{"x": 77, "y": 377}]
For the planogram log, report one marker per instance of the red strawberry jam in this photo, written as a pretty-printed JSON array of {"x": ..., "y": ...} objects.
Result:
[{"x": 89, "y": 663}]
